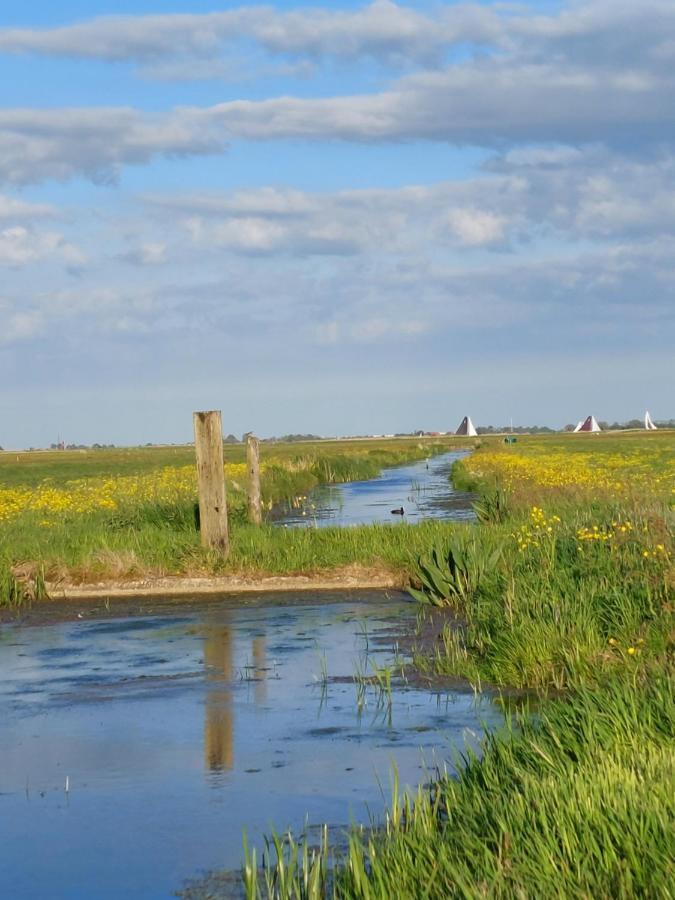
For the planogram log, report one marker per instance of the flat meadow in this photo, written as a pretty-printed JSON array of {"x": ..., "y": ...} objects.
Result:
[
  {"x": 113, "y": 515},
  {"x": 560, "y": 598}
]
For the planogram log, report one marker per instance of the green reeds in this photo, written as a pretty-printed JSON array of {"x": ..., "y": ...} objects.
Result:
[{"x": 21, "y": 585}]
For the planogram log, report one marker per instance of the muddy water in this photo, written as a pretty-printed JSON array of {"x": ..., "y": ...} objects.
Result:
[
  {"x": 134, "y": 750},
  {"x": 423, "y": 489}
]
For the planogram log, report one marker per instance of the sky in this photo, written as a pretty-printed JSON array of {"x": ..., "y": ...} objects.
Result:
[{"x": 349, "y": 218}]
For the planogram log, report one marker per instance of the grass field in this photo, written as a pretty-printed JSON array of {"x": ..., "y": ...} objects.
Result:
[
  {"x": 78, "y": 516},
  {"x": 566, "y": 592}
]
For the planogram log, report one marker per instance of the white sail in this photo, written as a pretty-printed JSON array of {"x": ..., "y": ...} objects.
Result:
[
  {"x": 589, "y": 424},
  {"x": 577, "y": 427},
  {"x": 466, "y": 427},
  {"x": 649, "y": 425}
]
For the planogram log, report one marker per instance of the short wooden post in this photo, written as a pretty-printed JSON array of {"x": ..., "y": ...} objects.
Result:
[
  {"x": 211, "y": 480},
  {"x": 253, "y": 462}
]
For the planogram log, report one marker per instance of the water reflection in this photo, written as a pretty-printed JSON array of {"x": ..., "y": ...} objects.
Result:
[
  {"x": 219, "y": 717},
  {"x": 139, "y": 714},
  {"x": 220, "y": 674}
]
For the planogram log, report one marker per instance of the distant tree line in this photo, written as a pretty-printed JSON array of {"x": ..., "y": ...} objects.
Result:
[
  {"x": 294, "y": 438},
  {"x": 516, "y": 429},
  {"x": 80, "y": 447}
]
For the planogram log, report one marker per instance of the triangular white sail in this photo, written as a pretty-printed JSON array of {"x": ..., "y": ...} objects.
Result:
[
  {"x": 590, "y": 424},
  {"x": 649, "y": 425},
  {"x": 577, "y": 427},
  {"x": 466, "y": 427}
]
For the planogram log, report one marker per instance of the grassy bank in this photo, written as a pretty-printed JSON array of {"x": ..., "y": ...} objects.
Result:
[
  {"x": 565, "y": 590},
  {"x": 121, "y": 514}
]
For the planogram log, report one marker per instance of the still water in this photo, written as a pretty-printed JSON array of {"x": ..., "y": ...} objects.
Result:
[
  {"x": 135, "y": 749},
  {"x": 423, "y": 489}
]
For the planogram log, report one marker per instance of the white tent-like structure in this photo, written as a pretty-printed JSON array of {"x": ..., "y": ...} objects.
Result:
[
  {"x": 466, "y": 427},
  {"x": 589, "y": 424},
  {"x": 649, "y": 425}
]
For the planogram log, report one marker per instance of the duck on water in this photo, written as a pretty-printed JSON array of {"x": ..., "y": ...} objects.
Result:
[{"x": 398, "y": 512}]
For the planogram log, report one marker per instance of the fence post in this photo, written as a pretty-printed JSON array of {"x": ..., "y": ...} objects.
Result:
[
  {"x": 253, "y": 462},
  {"x": 211, "y": 480}
]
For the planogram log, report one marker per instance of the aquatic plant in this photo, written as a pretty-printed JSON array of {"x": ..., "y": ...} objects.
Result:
[
  {"x": 492, "y": 507},
  {"x": 291, "y": 868},
  {"x": 456, "y": 571}
]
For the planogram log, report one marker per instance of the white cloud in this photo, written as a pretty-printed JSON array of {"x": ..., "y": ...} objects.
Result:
[
  {"x": 484, "y": 103},
  {"x": 20, "y": 246},
  {"x": 596, "y": 30},
  {"x": 475, "y": 227},
  {"x": 382, "y": 28},
  {"x": 39, "y": 144},
  {"x": 521, "y": 197},
  {"x": 13, "y": 210},
  {"x": 592, "y": 72},
  {"x": 19, "y": 326},
  {"x": 149, "y": 253}
]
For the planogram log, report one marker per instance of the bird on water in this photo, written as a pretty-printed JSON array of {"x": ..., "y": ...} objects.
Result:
[{"x": 398, "y": 512}]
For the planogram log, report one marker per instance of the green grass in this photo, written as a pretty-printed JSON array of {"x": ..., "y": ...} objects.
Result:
[
  {"x": 578, "y": 802},
  {"x": 572, "y": 603},
  {"x": 59, "y": 466},
  {"x": 575, "y": 802},
  {"x": 153, "y": 539}
]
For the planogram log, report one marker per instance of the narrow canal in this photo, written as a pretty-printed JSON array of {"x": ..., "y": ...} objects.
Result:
[
  {"x": 136, "y": 749},
  {"x": 423, "y": 490}
]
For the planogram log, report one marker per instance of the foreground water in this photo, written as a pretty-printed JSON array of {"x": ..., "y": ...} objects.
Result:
[
  {"x": 422, "y": 489},
  {"x": 134, "y": 750}
]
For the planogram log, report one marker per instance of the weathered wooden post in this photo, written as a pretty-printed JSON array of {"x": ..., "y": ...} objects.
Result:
[
  {"x": 211, "y": 480},
  {"x": 253, "y": 462}
]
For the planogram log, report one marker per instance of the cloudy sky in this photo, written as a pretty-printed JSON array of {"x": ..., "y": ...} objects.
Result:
[{"x": 342, "y": 218}]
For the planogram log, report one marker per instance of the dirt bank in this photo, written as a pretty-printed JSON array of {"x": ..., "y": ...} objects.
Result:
[{"x": 350, "y": 577}]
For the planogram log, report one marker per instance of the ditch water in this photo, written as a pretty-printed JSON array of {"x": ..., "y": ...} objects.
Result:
[
  {"x": 423, "y": 489},
  {"x": 135, "y": 749}
]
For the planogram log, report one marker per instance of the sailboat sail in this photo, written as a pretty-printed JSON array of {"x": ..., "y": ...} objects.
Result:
[
  {"x": 466, "y": 427},
  {"x": 590, "y": 424}
]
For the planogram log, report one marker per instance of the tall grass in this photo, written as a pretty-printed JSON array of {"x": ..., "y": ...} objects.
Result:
[
  {"x": 578, "y": 802},
  {"x": 568, "y": 597}
]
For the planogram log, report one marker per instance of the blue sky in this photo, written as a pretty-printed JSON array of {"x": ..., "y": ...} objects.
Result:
[{"x": 352, "y": 218}]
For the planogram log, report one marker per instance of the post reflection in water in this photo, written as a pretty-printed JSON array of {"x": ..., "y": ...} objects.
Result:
[
  {"x": 219, "y": 721},
  {"x": 219, "y": 708}
]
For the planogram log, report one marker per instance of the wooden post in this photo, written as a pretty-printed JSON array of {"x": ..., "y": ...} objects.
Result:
[
  {"x": 253, "y": 462},
  {"x": 211, "y": 480}
]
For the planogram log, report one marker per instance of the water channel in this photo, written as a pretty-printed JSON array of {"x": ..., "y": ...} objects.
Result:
[
  {"x": 137, "y": 744},
  {"x": 134, "y": 749},
  {"x": 422, "y": 489}
]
